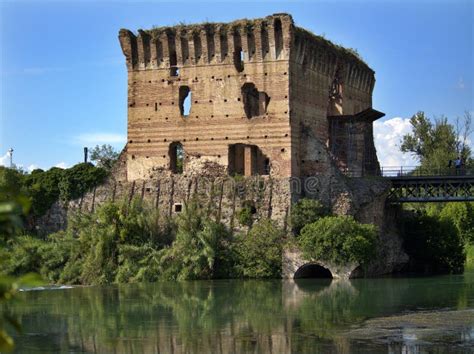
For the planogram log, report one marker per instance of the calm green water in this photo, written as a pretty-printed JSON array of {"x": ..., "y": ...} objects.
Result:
[{"x": 409, "y": 315}]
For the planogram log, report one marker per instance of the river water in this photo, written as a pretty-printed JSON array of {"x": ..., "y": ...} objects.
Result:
[{"x": 395, "y": 315}]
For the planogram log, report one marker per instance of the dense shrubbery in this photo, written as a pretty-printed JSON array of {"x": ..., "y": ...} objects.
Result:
[
  {"x": 305, "y": 212},
  {"x": 96, "y": 248},
  {"x": 338, "y": 239},
  {"x": 259, "y": 253},
  {"x": 130, "y": 243},
  {"x": 433, "y": 243},
  {"x": 43, "y": 188},
  {"x": 201, "y": 244},
  {"x": 462, "y": 216}
]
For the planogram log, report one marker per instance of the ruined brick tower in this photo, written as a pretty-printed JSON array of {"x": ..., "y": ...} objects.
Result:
[{"x": 255, "y": 97}]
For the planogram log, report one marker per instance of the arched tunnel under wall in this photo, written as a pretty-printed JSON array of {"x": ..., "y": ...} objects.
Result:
[{"x": 312, "y": 271}]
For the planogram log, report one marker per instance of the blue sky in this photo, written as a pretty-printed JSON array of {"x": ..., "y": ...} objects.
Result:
[{"x": 63, "y": 76}]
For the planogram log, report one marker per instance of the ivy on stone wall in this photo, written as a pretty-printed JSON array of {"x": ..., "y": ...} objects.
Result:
[{"x": 43, "y": 188}]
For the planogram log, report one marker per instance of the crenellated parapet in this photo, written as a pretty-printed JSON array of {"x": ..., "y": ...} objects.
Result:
[
  {"x": 266, "y": 39},
  {"x": 326, "y": 58}
]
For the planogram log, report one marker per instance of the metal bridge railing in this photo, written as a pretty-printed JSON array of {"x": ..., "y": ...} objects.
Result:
[
  {"x": 413, "y": 171},
  {"x": 417, "y": 171}
]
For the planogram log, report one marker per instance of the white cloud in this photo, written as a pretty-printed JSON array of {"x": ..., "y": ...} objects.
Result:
[
  {"x": 32, "y": 167},
  {"x": 461, "y": 85},
  {"x": 388, "y": 135},
  {"x": 100, "y": 138},
  {"x": 61, "y": 165}
]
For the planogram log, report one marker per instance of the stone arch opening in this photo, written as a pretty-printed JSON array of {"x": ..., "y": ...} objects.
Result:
[
  {"x": 312, "y": 271},
  {"x": 176, "y": 155}
]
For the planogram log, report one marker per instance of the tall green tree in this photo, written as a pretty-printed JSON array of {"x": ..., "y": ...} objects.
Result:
[
  {"x": 104, "y": 156},
  {"x": 435, "y": 142}
]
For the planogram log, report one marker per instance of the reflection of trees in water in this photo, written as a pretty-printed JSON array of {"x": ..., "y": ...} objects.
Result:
[{"x": 220, "y": 316}]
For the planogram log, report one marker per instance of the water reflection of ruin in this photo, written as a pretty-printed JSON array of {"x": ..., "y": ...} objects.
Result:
[{"x": 225, "y": 316}]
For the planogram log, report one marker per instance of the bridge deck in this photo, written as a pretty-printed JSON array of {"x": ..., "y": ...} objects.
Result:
[{"x": 418, "y": 186}]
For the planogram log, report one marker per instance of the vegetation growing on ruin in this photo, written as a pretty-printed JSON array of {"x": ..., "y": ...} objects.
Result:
[
  {"x": 259, "y": 253},
  {"x": 338, "y": 240},
  {"x": 129, "y": 242},
  {"x": 196, "y": 28},
  {"x": 306, "y": 211},
  {"x": 43, "y": 188},
  {"x": 337, "y": 50}
]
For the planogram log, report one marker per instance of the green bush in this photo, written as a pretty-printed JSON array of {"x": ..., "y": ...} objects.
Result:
[
  {"x": 259, "y": 253},
  {"x": 23, "y": 256},
  {"x": 199, "y": 246},
  {"x": 462, "y": 216},
  {"x": 10, "y": 183},
  {"x": 116, "y": 243},
  {"x": 245, "y": 215},
  {"x": 79, "y": 179},
  {"x": 433, "y": 243},
  {"x": 306, "y": 211},
  {"x": 338, "y": 239},
  {"x": 43, "y": 188},
  {"x": 55, "y": 254}
]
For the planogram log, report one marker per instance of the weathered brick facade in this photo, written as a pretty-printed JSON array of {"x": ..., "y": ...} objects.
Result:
[
  {"x": 288, "y": 111},
  {"x": 266, "y": 97}
]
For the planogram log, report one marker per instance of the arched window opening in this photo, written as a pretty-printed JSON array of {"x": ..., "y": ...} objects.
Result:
[
  {"x": 255, "y": 102},
  {"x": 246, "y": 160},
  {"x": 312, "y": 271},
  {"x": 185, "y": 97},
  {"x": 278, "y": 37},
  {"x": 176, "y": 155}
]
